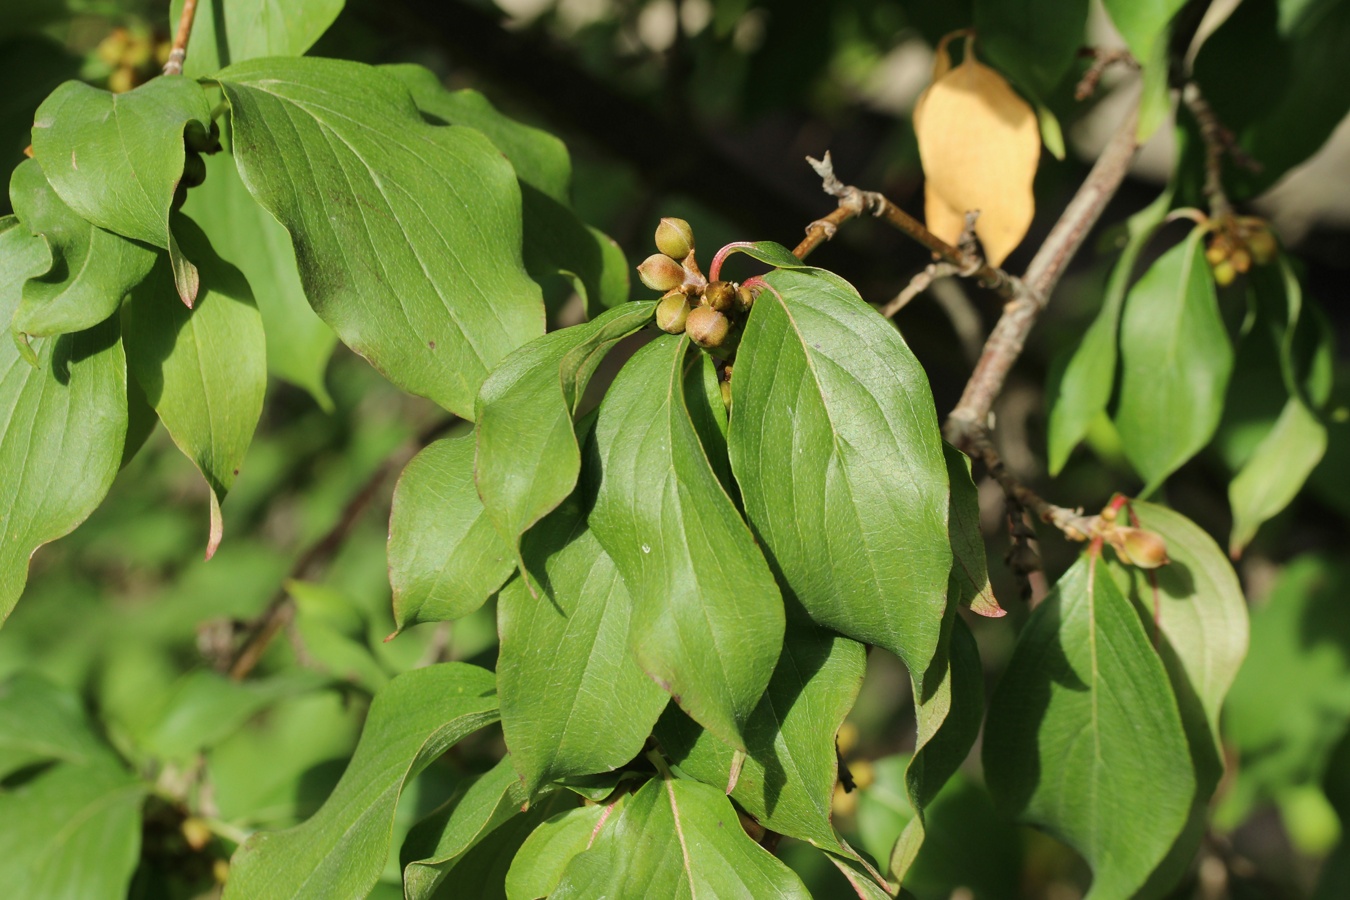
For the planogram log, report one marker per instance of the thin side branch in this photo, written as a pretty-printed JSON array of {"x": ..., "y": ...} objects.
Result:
[
  {"x": 1219, "y": 141},
  {"x": 178, "y": 55},
  {"x": 1101, "y": 61},
  {"x": 933, "y": 271},
  {"x": 1009, "y": 335},
  {"x": 1071, "y": 522},
  {"x": 852, "y": 202}
]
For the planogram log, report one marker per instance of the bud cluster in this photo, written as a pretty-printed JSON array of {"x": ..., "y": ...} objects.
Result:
[
  {"x": 690, "y": 304},
  {"x": 1237, "y": 243}
]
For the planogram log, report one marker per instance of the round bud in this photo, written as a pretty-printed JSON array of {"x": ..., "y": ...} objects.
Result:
[
  {"x": 111, "y": 48},
  {"x": 707, "y": 327},
  {"x": 674, "y": 238},
  {"x": 1241, "y": 260},
  {"x": 1263, "y": 246},
  {"x": 194, "y": 170},
  {"x": 672, "y": 312},
  {"x": 1224, "y": 273},
  {"x": 1138, "y": 547},
  {"x": 661, "y": 273},
  {"x": 719, "y": 296},
  {"x": 726, "y": 393},
  {"x": 745, "y": 298},
  {"x": 1216, "y": 253}
]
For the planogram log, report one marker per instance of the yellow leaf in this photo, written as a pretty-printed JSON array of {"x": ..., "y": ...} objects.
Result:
[{"x": 979, "y": 143}]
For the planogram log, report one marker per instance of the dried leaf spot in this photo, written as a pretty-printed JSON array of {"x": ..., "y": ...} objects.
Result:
[{"x": 979, "y": 144}]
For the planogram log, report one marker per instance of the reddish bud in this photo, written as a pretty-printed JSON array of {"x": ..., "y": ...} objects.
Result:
[{"x": 1137, "y": 547}]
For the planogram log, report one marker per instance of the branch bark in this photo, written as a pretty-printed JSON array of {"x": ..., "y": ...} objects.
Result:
[
  {"x": 178, "y": 55},
  {"x": 1009, "y": 335}
]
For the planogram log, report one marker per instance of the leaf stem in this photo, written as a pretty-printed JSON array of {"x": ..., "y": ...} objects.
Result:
[{"x": 178, "y": 55}]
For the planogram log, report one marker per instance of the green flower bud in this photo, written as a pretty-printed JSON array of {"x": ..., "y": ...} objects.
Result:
[
  {"x": 726, "y": 393},
  {"x": 719, "y": 296},
  {"x": 707, "y": 327},
  {"x": 1224, "y": 273},
  {"x": 661, "y": 273},
  {"x": 674, "y": 238},
  {"x": 672, "y": 312},
  {"x": 745, "y": 298}
]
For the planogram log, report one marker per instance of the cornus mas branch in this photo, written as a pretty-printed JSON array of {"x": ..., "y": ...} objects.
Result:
[{"x": 178, "y": 55}]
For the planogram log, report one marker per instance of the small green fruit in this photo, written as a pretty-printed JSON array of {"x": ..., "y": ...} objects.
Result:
[
  {"x": 726, "y": 393},
  {"x": 661, "y": 273},
  {"x": 719, "y": 296},
  {"x": 672, "y": 312},
  {"x": 707, "y": 327},
  {"x": 674, "y": 238},
  {"x": 1216, "y": 253}
]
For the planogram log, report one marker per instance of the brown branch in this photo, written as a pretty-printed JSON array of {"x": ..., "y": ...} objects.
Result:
[
  {"x": 1072, "y": 522},
  {"x": 178, "y": 55},
  {"x": 942, "y": 269},
  {"x": 855, "y": 201},
  {"x": 1101, "y": 61},
  {"x": 281, "y": 610},
  {"x": 1009, "y": 335},
  {"x": 1218, "y": 141}
]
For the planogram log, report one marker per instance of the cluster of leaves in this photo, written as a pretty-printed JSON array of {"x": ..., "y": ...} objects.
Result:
[{"x": 685, "y": 585}]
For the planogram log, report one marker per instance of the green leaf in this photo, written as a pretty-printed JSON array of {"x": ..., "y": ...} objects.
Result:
[
  {"x": 445, "y": 558},
  {"x": 231, "y": 31},
  {"x": 677, "y": 838},
  {"x": 1084, "y": 737},
  {"x": 1033, "y": 41},
  {"x": 788, "y": 777},
  {"x": 1142, "y": 22},
  {"x": 707, "y": 615},
  {"x": 1290, "y": 703},
  {"x": 1277, "y": 75},
  {"x": 574, "y": 700},
  {"x": 434, "y": 843},
  {"x": 1203, "y": 613},
  {"x": 116, "y": 159},
  {"x": 1080, "y": 391},
  {"x": 202, "y": 369},
  {"x": 481, "y": 871},
  {"x": 340, "y": 851},
  {"x": 332, "y": 634},
  {"x": 539, "y": 159},
  {"x": 1275, "y": 472},
  {"x": 556, "y": 241},
  {"x": 528, "y": 457},
  {"x": 970, "y": 568},
  {"x": 91, "y": 270},
  {"x": 245, "y": 235},
  {"x": 1198, "y": 617},
  {"x": 72, "y": 831},
  {"x": 539, "y": 864},
  {"x": 206, "y": 708},
  {"x": 834, "y": 442},
  {"x": 949, "y": 702},
  {"x": 1175, "y": 361},
  {"x": 39, "y": 722},
  {"x": 415, "y": 260},
  {"x": 62, "y": 422}
]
